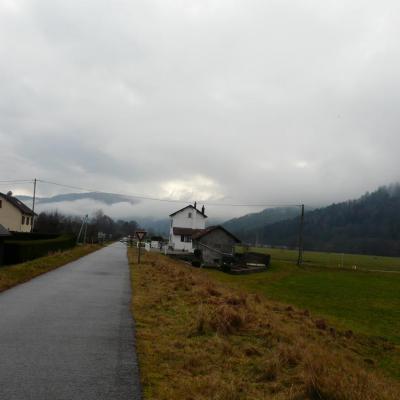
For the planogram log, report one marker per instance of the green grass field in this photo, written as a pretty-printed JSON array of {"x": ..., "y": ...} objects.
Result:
[
  {"x": 333, "y": 260},
  {"x": 367, "y": 303}
]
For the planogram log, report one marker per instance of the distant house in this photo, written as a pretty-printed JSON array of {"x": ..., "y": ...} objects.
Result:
[
  {"x": 215, "y": 243},
  {"x": 156, "y": 242},
  {"x": 14, "y": 215},
  {"x": 184, "y": 224}
]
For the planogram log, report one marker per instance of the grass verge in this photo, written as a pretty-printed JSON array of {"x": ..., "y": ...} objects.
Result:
[
  {"x": 201, "y": 339},
  {"x": 13, "y": 275}
]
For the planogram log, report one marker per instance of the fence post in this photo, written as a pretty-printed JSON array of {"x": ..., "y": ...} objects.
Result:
[{"x": 300, "y": 257}]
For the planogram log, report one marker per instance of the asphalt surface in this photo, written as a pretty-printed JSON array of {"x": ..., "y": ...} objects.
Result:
[{"x": 69, "y": 334}]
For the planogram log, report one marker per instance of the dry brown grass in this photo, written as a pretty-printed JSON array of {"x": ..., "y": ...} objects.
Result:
[{"x": 201, "y": 340}]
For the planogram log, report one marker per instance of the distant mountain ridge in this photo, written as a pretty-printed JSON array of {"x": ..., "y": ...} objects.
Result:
[
  {"x": 368, "y": 225},
  {"x": 248, "y": 226},
  {"x": 106, "y": 198}
]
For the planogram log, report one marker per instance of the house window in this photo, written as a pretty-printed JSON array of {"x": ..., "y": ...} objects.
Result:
[
  {"x": 1, "y": 203},
  {"x": 27, "y": 220},
  {"x": 190, "y": 215},
  {"x": 188, "y": 239},
  {"x": 23, "y": 220},
  {"x": 182, "y": 238}
]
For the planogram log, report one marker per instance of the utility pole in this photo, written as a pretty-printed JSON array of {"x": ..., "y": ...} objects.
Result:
[
  {"x": 33, "y": 205},
  {"x": 300, "y": 257},
  {"x": 82, "y": 226},
  {"x": 84, "y": 236}
]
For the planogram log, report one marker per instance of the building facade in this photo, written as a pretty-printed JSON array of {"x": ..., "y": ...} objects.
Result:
[
  {"x": 15, "y": 216},
  {"x": 215, "y": 243},
  {"x": 184, "y": 224}
]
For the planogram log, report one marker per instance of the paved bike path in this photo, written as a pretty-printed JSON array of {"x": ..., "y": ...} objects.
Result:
[{"x": 68, "y": 334}]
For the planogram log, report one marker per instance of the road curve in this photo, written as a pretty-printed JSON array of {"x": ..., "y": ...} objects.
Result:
[{"x": 68, "y": 334}]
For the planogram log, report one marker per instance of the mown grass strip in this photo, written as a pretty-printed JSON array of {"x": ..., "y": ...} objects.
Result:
[
  {"x": 332, "y": 260},
  {"x": 15, "y": 274},
  {"x": 200, "y": 339}
]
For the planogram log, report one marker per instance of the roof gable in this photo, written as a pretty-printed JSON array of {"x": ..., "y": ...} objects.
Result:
[
  {"x": 189, "y": 206},
  {"x": 210, "y": 229},
  {"x": 17, "y": 204}
]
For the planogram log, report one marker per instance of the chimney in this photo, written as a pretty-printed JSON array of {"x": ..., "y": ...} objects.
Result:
[
  {"x": 203, "y": 209},
  {"x": 195, "y": 204}
]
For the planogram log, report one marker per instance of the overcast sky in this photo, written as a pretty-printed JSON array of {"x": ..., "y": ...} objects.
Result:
[{"x": 237, "y": 101}]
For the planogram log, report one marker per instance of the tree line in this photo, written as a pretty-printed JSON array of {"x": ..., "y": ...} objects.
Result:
[
  {"x": 368, "y": 225},
  {"x": 57, "y": 223}
]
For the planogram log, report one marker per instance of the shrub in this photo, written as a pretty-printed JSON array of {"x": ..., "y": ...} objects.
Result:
[
  {"x": 197, "y": 253},
  {"x": 17, "y": 236},
  {"x": 196, "y": 263}
]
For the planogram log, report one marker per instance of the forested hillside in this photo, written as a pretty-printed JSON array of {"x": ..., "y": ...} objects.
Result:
[
  {"x": 249, "y": 225},
  {"x": 370, "y": 225}
]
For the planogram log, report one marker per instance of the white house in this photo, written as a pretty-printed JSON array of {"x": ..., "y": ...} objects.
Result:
[
  {"x": 184, "y": 224},
  {"x": 14, "y": 215}
]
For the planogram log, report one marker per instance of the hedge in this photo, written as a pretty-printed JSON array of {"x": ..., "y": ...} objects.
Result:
[
  {"x": 32, "y": 236},
  {"x": 17, "y": 251}
]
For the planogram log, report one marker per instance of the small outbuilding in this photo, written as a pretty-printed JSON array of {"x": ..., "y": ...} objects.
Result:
[{"x": 214, "y": 244}]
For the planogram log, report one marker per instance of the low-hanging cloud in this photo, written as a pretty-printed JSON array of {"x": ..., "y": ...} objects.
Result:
[{"x": 237, "y": 101}]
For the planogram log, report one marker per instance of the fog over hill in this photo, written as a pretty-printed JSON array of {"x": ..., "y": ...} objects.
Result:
[
  {"x": 106, "y": 198},
  {"x": 370, "y": 224},
  {"x": 153, "y": 216}
]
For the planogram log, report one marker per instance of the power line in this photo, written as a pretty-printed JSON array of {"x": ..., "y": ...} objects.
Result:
[
  {"x": 142, "y": 197},
  {"x": 17, "y": 181}
]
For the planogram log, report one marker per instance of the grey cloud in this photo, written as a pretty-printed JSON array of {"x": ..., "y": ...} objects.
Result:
[{"x": 279, "y": 101}]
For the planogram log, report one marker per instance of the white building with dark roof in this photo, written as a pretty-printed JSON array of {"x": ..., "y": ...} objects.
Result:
[
  {"x": 15, "y": 216},
  {"x": 185, "y": 223}
]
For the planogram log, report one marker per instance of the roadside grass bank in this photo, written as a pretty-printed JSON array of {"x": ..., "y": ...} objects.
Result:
[
  {"x": 367, "y": 302},
  {"x": 364, "y": 302},
  {"x": 13, "y": 275},
  {"x": 201, "y": 339}
]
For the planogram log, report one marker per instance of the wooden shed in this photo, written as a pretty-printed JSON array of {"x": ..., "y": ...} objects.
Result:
[{"x": 214, "y": 243}]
